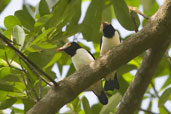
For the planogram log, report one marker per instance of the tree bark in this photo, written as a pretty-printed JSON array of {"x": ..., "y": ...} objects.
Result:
[
  {"x": 135, "y": 92},
  {"x": 156, "y": 32}
]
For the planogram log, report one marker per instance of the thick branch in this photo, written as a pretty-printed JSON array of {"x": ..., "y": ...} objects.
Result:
[
  {"x": 154, "y": 33},
  {"x": 134, "y": 94}
]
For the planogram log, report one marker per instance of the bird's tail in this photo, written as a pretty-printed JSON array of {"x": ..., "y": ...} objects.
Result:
[
  {"x": 112, "y": 83},
  {"x": 103, "y": 98},
  {"x": 99, "y": 92}
]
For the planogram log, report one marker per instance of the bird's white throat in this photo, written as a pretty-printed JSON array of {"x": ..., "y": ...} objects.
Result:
[{"x": 81, "y": 58}]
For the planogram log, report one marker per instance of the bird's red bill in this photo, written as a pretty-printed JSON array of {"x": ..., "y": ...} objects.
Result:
[{"x": 59, "y": 49}]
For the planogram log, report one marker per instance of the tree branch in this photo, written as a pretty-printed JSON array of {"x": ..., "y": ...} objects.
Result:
[
  {"x": 156, "y": 32},
  {"x": 134, "y": 94}
]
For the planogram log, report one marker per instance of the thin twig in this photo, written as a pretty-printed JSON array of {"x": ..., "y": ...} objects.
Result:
[
  {"x": 137, "y": 11},
  {"x": 28, "y": 78},
  {"x": 40, "y": 88},
  {"x": 147, "y": 111},
  {"x": 37, "y": 74},
  {"x": 6, "y": 57},
  {"x": 134, "y": 21},
  {"x": 25, "y": 59},
  {"x": 159, "y": 97}
]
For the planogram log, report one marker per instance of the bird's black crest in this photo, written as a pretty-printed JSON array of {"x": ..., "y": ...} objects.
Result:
[
  {"x": 72, "y": 49},
  {"x": 109, "y": 31}
]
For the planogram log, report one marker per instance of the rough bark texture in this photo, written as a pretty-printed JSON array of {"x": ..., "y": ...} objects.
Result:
[
  {"x": 156, "y": 32},
  {"x": 130, "y": 102}
]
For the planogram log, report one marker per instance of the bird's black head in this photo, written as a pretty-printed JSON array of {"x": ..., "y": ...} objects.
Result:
[
  {"x": 108, "y": 30},
  {"x": 70, "y": 48}
]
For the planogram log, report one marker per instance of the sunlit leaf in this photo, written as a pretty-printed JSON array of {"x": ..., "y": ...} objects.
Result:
[
  {"x": 57, "y": 14},
  {"x": 3, "y": 4},
  {"x": 122, "y": 14},
  {"x": 56, "y": 57},
  {"x": 149, "y": 6},
  {"x": 7, "y": 103},
  {"x": 42, "y": 37},
  {"x": 19, "y": 35},
  {"x": 8, "y": 87},
  {"x": 26, "y": 19},
  {"x": 28, "y": 103},
  {"x": 95, "y": 109},
  {"x": 108, "y": 14},
  {"x": 43, "y": 8},
  {"x": 113, "y": 102},
  {"x": 164, "y": 97},
  {"x": 163, "y": 68},
  {"x": 134, "y": 3},
  {"x": 10, "y": 21},
  {"x": 92, "y": 21},
  {"x": 86, "y": 105}
]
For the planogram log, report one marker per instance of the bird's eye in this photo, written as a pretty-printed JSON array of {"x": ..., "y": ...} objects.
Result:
[{"x": 69, "y": 44}]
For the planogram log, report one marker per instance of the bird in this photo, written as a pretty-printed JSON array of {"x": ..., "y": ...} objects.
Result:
[
  {"x": 109, "y": 40},
  {"x": 81, "y": 57}
]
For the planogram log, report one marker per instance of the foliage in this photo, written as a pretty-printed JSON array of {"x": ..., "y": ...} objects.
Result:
[{"x": 37, "y": 34}]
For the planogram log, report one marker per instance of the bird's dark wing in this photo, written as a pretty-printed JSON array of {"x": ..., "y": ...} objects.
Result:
[{"x": 100, "y": 43}]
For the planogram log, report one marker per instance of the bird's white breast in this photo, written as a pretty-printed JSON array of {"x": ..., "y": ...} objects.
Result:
[
  {"x": 81, "y": 58},
  {"x": 108, "y": 43}
]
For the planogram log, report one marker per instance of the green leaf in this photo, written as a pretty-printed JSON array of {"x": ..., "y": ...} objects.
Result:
[
  {"x": 108, "y": 14},
  {"x": 19, "y": 35},
  {"x": 8, "y": 87},
  {"x": 113, "y": 102},
  {"x": 122, "y": 14},
  {"x": 86, "y": 105},
  {"x": 95, "y": 109},
  {"x": 42, "y": 37},
  {"x": 43, "y": 8},
  {"x": 135, "y": 19},
  {"x": 46, "y": 45},
  {"x": 3, "y": 4},
  {"x": 42, "y": 20},
  {"x": 28, "y": 103},
  {"x": 17, "y": 110},
  {"x": 3, "y": 95},
  {"x": 12, "y": 78},
  {"x": 55, "y": 58},
  {"x": 163, "y": 110},
  {"x": 51, "y": 3},
  {"x": 163, "y": 68},
  {"x": 134, "y": 3},
  {"x": 149, "y": 6},
  {"x": 128, "y": 77},
  {"x": 75, "y": 105},
  {"x": 43, "y": 57},
  {"x": 150, "y": 105},
  {"x": 11, "y": 21},
  {"x": 126, "y": 68},
  {"x": 164, "y": 97},
  {"x": 70, "y": 17},
  {"x": 92, "y": 21},
  {"x": 26, "y": 19},
  {"x": 4, "y": 71},
  {"x": 124, "y": 84},
  {"x": 7, "y": 103},
  {"x": 136, "y": 61},
  {"x": 57, "y": 12}
]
